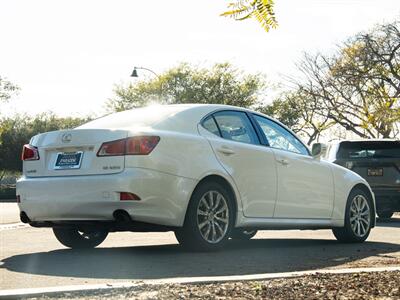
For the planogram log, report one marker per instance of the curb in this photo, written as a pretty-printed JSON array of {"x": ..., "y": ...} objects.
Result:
[
  {"x": 51, "y": 291},
  {"x": 13, "y": 226}
]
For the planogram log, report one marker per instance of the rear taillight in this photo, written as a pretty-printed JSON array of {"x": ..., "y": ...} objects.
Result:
[
  {"x": 30, "y": 153},
  {"x": 124, "y": 196},
  {"x": 137, "y": 145}
]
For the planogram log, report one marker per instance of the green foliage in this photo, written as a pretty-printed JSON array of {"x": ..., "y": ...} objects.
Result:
[
  {"x": 6, "y": 89},
  {"x": 17, "y": 131},
  {"x": 284, "y": 110},
  {"x": 260, "y": 10},
  {"x": 221, "y": 84}
]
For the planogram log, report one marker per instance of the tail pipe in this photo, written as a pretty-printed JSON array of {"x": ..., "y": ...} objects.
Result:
[
  {"x": 24, "y": 217},
  {"x": 121, "y": 216}
]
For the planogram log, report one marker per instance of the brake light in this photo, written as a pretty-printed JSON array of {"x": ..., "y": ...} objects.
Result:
[
  {"x": 137, "y": 145},
  {"x": 124, "y": 196},
  {"x": 30, "y": 153},
  {"x": 141, "y": 145},
  {"x": 113, "y": 148}
]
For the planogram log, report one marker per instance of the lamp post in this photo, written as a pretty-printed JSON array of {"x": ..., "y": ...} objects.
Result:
[{"x": 135, "y": 74}]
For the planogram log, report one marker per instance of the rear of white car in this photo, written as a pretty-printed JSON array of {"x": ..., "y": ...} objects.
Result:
[{"x": 89, "y": 174}]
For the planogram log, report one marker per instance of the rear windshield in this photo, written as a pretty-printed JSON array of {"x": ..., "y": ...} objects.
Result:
[
  {"x": 142, "y": 117},
  {"x": 354, "y": 150}
]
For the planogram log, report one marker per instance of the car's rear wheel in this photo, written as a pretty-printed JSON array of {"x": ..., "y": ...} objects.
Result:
[
  {"x": 385, "y": 214},
  {"x": 358, "y": 218},
  {"x": 80, "y": 239},
  {"x": 209, "y": 218},
  {"x": 242, "y": 234}
]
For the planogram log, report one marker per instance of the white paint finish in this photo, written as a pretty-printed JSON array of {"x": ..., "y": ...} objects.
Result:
[
  {"x": 253, "y": 170},
  {"x": 87, "y": 140},
  {"x": 300, "y": 191},
  {"x": 180, "y": 154},
  {"x": 345, "y": 180},
  {"x": 164, "y": 197},
  {"x": 305, "y": 186}
]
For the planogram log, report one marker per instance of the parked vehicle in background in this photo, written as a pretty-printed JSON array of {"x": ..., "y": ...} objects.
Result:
[
  {"x": 378, "y": 161},
  {"x": 206, "y": 172}
]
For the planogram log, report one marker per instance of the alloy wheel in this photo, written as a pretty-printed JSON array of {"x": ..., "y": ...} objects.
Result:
[
  {"x": 213, "y": 217},
  {"x": 360, "y": 215}
]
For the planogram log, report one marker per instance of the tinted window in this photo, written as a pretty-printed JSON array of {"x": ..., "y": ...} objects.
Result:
[
  {"x": 278, "y": 137},
  {"x": 236, "y": 126},
  {"x": 210, "y": 125},
  {"x": 354, "y": 150}
]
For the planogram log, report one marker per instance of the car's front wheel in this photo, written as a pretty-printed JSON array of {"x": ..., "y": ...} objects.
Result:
[
  {"x": 80, "y": 239},
  {"x": 209, "y": 218},
  {"x": 358, "y": 218}
]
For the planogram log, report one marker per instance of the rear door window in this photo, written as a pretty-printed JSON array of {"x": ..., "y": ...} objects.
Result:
[
  {"x": 210, "y": 125},
  {"x": 236, "y": 126}
]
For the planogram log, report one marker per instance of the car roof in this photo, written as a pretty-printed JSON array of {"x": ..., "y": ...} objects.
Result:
[
  {"x": 178, "y": 117},
  {"x": 364, "y": 140}
]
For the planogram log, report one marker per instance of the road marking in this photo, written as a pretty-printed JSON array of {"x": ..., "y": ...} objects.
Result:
[
  {"x": 13, "y": 226},
  {"x": 36, "y": 292}
]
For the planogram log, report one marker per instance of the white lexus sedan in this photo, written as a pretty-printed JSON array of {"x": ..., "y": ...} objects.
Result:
[{"x": 206, "y": 172}]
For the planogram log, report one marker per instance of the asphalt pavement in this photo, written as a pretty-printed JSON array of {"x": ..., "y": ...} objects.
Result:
[{"x": 32, "y": 257}]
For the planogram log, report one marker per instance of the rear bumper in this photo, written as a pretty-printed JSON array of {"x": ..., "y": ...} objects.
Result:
[
  {"x": 387, "y": 199},
  {"x": 164, "y": 197}
]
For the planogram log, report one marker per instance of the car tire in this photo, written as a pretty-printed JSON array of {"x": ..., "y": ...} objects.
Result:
[
  {"x": 385, "y": 214},
  {"x": 240, "y": 234},
  {"x": 209, "y": 218},
  {"x": 358, "y": 218},
  {"x": 76, "y": 239}
]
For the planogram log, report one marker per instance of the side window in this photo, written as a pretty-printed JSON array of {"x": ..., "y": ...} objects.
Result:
[
  {"x": 236, "y": 126},
  {"x": 278, "y": 137},
  {"x": 210, "y": 125}
]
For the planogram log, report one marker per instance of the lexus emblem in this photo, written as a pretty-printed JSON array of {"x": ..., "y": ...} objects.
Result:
[{"x": 66, "y": 137}]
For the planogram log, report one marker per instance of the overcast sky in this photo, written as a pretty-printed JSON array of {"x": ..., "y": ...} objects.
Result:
[{"x": 67, "y": 55}]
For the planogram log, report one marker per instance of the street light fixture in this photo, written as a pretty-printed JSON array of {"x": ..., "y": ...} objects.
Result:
[{"x": 135, "y": 73}]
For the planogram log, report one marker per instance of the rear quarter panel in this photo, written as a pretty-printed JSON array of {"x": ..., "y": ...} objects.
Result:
[{"x": 184, "y": 155}]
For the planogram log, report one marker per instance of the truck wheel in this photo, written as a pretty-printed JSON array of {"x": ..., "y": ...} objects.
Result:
[
  {"x": 74, "y": 238},
  {"x": 240, "y": 234}
]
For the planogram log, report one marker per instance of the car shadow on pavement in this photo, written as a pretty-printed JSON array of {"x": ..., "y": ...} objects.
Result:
[
  {"x": 392, "y": 222},
  {"x": 167, "y": 261}
]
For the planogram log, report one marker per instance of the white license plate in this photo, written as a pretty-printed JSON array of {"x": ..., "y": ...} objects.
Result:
[
  {"x": 375, "y": 172},
  {"x": 68, "y": 160}
]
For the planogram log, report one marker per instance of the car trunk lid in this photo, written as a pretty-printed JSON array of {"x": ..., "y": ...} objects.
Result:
[{"x": 74, "y": 152}]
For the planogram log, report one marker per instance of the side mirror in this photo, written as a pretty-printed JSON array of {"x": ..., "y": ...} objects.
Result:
[{"x": 318, "y": 150}]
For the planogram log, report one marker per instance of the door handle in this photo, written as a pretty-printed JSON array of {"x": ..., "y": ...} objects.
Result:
[
  {"x": 283, "y": 162},
  {"x": 226, "y": 150}
]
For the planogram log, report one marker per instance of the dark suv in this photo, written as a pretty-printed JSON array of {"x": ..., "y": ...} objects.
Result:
[{"x": 378, "y": 161}]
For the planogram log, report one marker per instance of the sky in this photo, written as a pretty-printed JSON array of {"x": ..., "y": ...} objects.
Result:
[{"x": 66, "y": 56}]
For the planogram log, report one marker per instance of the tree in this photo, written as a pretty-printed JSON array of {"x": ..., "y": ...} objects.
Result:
[
  {"x": 221, "y": 84},
  {"x": 17, "y": 131},
  {"x": 7, "y": 88},
  {"x": 359, "y": 87},
  {"x": 300, "y": 113},
  {"x": 260, "y": 10}
]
